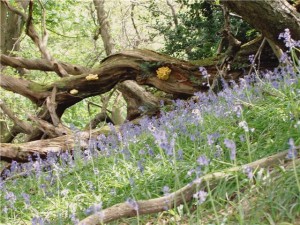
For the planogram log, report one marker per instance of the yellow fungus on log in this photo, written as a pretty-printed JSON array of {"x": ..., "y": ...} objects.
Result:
[
  {"x": 163, "y": 73},
  {"x": 73, "y": 91},
  {"x": 92, "y": 77}
]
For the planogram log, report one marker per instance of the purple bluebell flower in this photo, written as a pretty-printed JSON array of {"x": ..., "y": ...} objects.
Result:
[
  {"x": 211, "y": 138},
  {"x": 203, "y": 161},
  {"x": 166, "y": 190},
  {"x": 133, "y": 204},
  {"x": 93, "y": 209},
  {"x": 292, "y": 152},
  {"x": 14, "y": 167},
  {"x": 26, "y": 198},
  {"x": 90, "y": 185},
  {"x": 252, "y": 59},
  {"x": 243, "y": 124},
  {"x": 204, "y": 72},
  {"x": 219, "y": 151},
  {"x": 74, "y": 219},
  {"x": 142, "y": 152},
  {"x": 38, "y": 221},
  {"x": 231, "y": 145},
  {"x": 140, "y": 166},
  {"x": 287, "y": 39},
  {"x": 10, "y": 196},
  {"x": 249, "y": 172},
  {"x": 180, "y": 154},
  {"x": 200, "y": 196}
]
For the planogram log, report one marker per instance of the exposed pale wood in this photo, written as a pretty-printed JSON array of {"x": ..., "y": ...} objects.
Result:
[{"x": 21, "y": 152}]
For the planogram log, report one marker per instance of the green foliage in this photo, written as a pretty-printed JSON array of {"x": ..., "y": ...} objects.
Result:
[
  {"x": 197, "y": 34},
  {"x": 148, "y": 68}
]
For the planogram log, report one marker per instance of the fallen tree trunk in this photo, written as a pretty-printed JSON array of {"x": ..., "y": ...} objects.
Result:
[
  {"x": 21, "y": 152},
  {"x": 141, "y": 65},
  {"x": 181, "y": 196}
]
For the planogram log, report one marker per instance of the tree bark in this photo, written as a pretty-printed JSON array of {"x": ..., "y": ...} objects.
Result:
[
  {"x": 269, "y": 17},
  {"x": 11, "y": 25},
  {"x": 134, "y": 95}
]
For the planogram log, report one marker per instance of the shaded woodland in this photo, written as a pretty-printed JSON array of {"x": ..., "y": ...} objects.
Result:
[{"x": 124, "y": 71}]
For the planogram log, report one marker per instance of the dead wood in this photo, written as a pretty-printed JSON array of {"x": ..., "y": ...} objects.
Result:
[
  {"x": 22, "y": 126},
  {"x": 21, "y": 152},
  {"x": 183, "y": 195}
]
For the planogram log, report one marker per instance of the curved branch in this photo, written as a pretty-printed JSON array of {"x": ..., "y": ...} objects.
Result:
[
  {"x": 23, "y": 126},
  {"x": 178, "y": 197},
  {"x": 139, "y": 65},
  {"x": 23, "y": 87},
  {"x": 40, "y": 64},
  {"x": 14, "y": 10}
]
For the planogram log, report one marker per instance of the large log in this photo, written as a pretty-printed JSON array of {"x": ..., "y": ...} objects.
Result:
[
  {"x": 21, "y": 152},
  {"x": 139, "y": 65}
]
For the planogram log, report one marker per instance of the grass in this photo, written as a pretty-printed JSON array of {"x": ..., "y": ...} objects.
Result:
[{"x": 163, "y": 154}]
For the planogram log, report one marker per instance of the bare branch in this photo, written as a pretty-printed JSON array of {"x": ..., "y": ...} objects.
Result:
[
  {"x": 25, "y": 127},
  {"x": 16, "y": 11},
  {"x": 270, "y": 27},
  {"x": 40, "y": 64},
  {"x": 48, "y": 128},
  {"x": 31, "y": 32},
  {"x": 52, "y": 105},
  {"x": 11, "y": 134},
  {"x": 22, "y": 87},
  {"x": 40, "y": 43},
  {"x": 175, "y": 19},
  {"x": 257, "y": 55},
  {"x": 134, "y": 25},
  {"x": 104, "y": 27},
  {"x": 100, "y": 117}
]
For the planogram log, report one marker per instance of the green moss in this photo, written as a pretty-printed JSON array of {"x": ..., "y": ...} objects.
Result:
[
  {"x": 210, "y": 61},
  {"x": 35, "y": 87}
]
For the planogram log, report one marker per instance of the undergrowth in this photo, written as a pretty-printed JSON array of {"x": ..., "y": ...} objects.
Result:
[{"x": 209, "y": 133}]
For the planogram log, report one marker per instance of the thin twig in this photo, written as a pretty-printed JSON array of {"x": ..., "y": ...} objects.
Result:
[{"x": 257, "y": 54}]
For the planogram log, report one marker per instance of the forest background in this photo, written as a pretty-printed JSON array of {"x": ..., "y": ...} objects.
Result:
[{"x": 74, "y": 73}]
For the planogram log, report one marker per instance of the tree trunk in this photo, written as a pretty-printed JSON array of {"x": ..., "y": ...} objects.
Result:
[
  {"x": 269, "y": 17},
  {"x": 134, "y": 95},
  {"x": 11, "y": 25}
]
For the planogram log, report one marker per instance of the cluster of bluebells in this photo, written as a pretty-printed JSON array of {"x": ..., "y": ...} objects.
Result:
[
  {"x": 165, "y": 132},
  {"x": 288, "y": 40}
]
